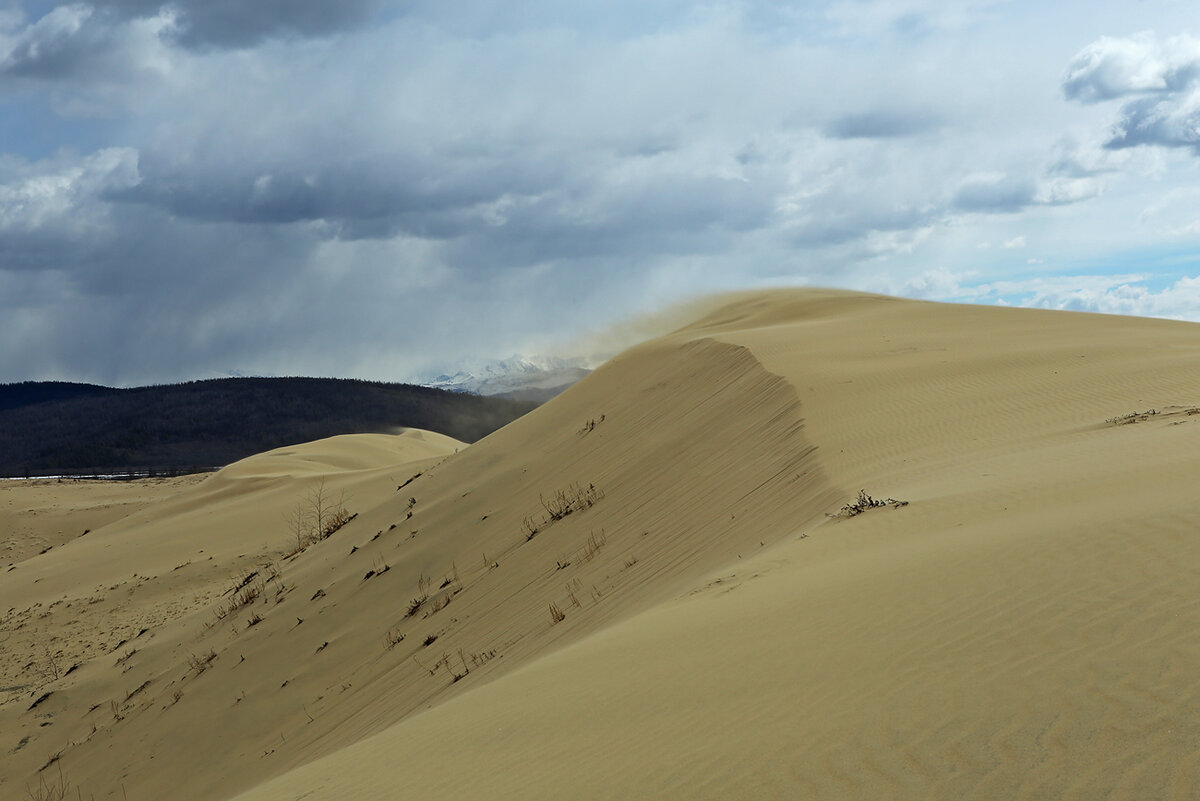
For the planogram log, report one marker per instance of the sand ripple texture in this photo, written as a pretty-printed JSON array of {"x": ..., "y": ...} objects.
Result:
[{"x": 655, "y": 586}]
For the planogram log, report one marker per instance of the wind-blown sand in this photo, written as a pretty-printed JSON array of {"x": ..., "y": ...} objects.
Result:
[{"x": 1023, "y": 628}]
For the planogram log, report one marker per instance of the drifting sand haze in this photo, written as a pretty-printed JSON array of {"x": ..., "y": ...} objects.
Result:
[{"x": 1024, "y": 628}]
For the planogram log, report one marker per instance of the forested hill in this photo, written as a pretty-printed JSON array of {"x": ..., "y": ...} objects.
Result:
[
  {"x": 29, "y": 392},
  {"x": 49, "y": 427}
]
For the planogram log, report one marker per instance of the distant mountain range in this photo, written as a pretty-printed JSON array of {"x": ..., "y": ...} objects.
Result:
[
  {"x": 528, "y": 378},
  {"x": 59, "y": 427}
]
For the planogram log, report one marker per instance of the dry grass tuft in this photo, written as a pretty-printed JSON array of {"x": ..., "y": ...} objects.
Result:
[
  {"x": 393, "y": 637},
  {"x": 570, "y": 500},
  {"x": 1132, "y": 417},
  {"x": 53, "y": 790},
  {"x": 563, "y": 503},
  {"x": 865, "y": 502},
  {"x": 202, "y": 662}
]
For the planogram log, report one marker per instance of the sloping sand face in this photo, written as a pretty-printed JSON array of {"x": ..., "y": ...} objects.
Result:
[
  {"x": 605, "y": 503},
  {"x": 645, "y": 588}
]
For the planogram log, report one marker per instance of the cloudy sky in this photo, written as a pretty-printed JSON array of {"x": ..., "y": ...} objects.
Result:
[{"x": 382, "y": 188}]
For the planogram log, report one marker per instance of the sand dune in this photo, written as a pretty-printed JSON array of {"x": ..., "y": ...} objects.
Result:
[
  {"x": 648, "y": 588},
  {"x": 94, "y": 620}
]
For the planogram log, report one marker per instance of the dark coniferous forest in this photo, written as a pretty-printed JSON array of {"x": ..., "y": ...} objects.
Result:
[{"x": 56, "y": 427}]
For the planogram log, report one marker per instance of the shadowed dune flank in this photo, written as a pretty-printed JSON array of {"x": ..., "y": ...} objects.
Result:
[{"x": 666, "y": 583}]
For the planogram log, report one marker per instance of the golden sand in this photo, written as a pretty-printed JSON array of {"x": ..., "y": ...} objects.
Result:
[{"x": 650, "y": 587}]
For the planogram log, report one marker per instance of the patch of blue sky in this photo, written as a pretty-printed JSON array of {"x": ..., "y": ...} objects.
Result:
[
  {"x": 33, "y": 131},
  {"x": 1159, "y": 267}
]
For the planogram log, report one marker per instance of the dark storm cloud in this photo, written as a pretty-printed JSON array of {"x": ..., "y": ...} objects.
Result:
[
  {"x": 155, "y": 307},
  {"x": 82, "y": 43},
  {"x": 418, "y": 198},
  {"x": 686, "y": 214},
  {"x": 238, "y": 23}
]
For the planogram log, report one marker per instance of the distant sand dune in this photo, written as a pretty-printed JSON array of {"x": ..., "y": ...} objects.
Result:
[{"x": 1023, "y": 628}]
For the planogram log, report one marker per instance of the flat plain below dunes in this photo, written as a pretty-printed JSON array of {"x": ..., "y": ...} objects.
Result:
[
  {"x": 1023, "y": 628},
  {"x": 42, "y": 513}
]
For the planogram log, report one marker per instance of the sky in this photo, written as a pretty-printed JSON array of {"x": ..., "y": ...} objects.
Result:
[{"x": 387, "y": 189}]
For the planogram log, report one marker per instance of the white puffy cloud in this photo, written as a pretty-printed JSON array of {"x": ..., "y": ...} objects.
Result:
[
  {"x": 1106, "y": 294},
  {"x": 1115, "y": 67},
  {"x": 1161, "y": 76},
  {"x": 1139, "y": 294}
]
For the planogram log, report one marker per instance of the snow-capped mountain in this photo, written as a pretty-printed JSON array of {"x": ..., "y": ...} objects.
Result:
[{"x": 519, "y": 376}]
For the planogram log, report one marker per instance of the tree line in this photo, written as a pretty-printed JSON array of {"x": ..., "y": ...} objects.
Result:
[{"x": 51, "y": 427}]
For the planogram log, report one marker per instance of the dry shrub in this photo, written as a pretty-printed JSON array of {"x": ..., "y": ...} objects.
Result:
[{"x": 865, "y": 502}]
